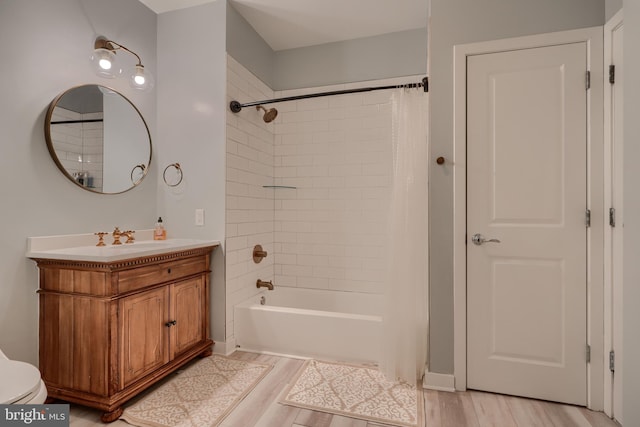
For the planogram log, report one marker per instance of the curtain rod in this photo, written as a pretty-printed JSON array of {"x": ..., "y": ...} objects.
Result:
[
  {"x": 61, "y": 122},
  {"x": 236, "y": 107}
]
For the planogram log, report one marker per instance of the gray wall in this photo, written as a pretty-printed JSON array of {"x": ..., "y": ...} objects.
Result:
[
  {"x": 611, "y": 7},
  {"x": 465, "y": 21},
  {"x": 389, "y": 55},
  {"x": 631, "y": 269},
  {"x": 370, "y": 58},
  {"x": 247, "y": 47},
  {"x": 191, "y": 131},
  {"x": 45, "y": 50}
]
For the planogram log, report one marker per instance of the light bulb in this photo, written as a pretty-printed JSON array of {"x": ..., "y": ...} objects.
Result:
[
  {"x": 141, "y": 79},
  {"x": 105, "y": 64}
]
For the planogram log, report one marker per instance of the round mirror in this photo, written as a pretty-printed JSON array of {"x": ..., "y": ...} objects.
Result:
[{"x": 98, "y": 139}]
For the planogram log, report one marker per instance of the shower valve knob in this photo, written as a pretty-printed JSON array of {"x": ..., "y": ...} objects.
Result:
[{"x": 258, "y": 253}]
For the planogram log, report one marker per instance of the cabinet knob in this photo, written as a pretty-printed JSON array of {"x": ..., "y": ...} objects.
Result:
[
  {"x": 171, "y": 323},
  {"x": 169, "y": 270}
]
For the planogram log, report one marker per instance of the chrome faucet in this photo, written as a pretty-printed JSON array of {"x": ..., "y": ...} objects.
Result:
[{"x": 263, "y": 284}]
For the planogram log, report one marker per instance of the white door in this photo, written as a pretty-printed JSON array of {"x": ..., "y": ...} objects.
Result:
[{"x": 526, "y": 188}]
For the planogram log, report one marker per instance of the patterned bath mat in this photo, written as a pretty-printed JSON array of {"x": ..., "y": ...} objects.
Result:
[
  {"x": 200, "y": 396},
  {"x": 355, "y": 391}
]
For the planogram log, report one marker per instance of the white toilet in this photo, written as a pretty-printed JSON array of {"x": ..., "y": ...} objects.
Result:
[{"x": 21, "y": 382}]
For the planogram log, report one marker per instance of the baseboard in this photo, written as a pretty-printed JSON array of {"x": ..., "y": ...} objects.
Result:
[
  {"x": 225, "y": 348},
  {"x": 272, "y": 353},
  {"x": 440, "y": 382}
]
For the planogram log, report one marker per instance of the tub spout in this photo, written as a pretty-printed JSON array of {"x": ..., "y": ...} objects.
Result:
[{"x": 263, "y": 284}]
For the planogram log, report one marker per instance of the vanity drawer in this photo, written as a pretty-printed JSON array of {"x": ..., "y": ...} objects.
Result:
[{"x": 141, "y": 277}]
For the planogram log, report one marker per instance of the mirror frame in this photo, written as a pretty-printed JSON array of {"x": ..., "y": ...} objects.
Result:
[{"x": 54, "y": 155}]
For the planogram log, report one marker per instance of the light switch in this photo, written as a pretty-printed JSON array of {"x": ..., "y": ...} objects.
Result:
[{"x": 199, "y": 216}]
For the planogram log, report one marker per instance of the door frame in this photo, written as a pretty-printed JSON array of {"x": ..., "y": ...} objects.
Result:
[
  {"x": 611, "y": 286},
  {"x": 593, "y": 37}
]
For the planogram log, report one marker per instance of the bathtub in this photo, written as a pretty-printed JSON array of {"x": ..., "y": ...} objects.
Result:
[{"x": 330, "y": 325}]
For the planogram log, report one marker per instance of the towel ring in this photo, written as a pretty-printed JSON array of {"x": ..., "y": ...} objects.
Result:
[
  {"x": 178, "y": 170},
  {"x": 143, "y": 169}
]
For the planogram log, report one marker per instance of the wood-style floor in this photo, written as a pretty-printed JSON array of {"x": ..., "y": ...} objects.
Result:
[{"x": 442, "y": 409}]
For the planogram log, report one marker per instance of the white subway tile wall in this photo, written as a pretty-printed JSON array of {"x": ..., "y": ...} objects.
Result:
[
  {"x": 79, "y": 146},
  {"x": 329, "y": 232},
  {"x": 250, "y": 206}
]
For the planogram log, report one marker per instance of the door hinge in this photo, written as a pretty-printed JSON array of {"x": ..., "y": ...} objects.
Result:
[
  {"x": 587, "y": 217},
  {"x": 612, "y": 217},
  {"x": 612, "y": 74},
  {"x": 588, "y": 80},
  {"x": 612, "y": 361},
  {"x": 588, "y": 353}
]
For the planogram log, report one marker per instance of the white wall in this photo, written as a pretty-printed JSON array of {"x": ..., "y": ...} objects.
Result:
[
  {"x": 45, "y": 50},
  {"x": 191, "y": 131},
  {"x": 456, "y": 22},
  {"x": 249, "y": 205}
]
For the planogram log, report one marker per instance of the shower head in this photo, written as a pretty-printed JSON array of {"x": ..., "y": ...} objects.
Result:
[{"x": 269, "y": 115}]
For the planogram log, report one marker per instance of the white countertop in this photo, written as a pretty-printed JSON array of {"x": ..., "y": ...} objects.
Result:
[{"x": 82, "y": 247}]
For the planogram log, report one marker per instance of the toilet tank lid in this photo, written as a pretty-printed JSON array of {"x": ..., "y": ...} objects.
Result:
[{"x": 19, "y": 379}]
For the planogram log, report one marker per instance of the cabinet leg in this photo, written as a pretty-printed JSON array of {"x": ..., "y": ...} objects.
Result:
[
  {"x": 109, "y": 417},
  {"x": 208, "y": 352}
]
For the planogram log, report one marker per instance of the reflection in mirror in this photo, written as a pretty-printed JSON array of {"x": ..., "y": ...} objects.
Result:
[{"x": 98, "y": 139}]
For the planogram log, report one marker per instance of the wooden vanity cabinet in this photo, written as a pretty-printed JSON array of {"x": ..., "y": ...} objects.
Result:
[{"x": 110, "y": 330}]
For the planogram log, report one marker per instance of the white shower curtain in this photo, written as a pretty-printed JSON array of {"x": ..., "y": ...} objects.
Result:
[{"x": 405, "y": 317}]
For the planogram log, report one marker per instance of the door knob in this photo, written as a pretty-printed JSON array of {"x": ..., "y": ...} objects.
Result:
[{"x": 479, "y": 239}]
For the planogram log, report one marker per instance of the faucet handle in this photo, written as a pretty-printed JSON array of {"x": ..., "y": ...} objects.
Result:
[
  {"x": 101, "y": 235},
  {"x": 129, "y": 234},
  {"x": 258, "y": 253}
]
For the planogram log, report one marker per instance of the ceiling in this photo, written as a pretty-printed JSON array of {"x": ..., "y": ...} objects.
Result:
[{"x": 287, "y": 24}]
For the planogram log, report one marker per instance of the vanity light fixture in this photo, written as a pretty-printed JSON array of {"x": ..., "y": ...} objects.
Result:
[{"x": 105, "y": 64}]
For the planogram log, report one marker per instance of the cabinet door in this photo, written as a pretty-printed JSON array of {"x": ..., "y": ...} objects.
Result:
[
  {"x": 143, "y": 334},
  {"x": 188, "y": 310}
]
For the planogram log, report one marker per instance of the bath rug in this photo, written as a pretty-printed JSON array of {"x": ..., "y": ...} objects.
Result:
[
  {"x": 355, "y": 391},
  {"x": 201, "y": 395}
]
